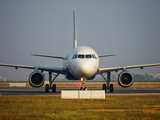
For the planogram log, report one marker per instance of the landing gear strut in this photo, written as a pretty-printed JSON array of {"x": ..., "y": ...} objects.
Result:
[
  {"x": 83, "y": 83},
  {"x": 49, "y": 86},
  {"x": 109, "y": 86}
]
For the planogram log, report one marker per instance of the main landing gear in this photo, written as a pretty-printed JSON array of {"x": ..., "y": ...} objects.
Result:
[
  {"x": 50, "y": 86},
  {"x": 109, "y": 86}
]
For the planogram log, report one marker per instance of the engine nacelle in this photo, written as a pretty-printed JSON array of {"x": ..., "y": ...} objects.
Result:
[
  {"x": 125, "y": 79},
  {"x": 36, "y": 79}
]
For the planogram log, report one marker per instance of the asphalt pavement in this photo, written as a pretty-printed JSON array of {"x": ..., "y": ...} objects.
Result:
[{"x": 41, "y": 91}]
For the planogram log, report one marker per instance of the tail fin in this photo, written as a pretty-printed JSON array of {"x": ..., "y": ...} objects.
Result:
[{"x": 75, "y": 29}]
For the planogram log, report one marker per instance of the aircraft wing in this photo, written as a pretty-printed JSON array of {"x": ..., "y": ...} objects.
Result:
[
  {"x": 51, "y": 69},
  {"x": 103, "y": 70}
]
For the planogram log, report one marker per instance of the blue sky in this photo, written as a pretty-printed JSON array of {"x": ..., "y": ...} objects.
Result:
[{"x": 130, "y": 28}]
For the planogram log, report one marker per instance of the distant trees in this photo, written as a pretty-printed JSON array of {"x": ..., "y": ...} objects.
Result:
[
  {"x": 138, "y": 77},
  {"x": 145, "y": 78}
]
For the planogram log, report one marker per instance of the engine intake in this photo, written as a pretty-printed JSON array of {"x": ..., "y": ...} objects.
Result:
[
  {"x": 36, "y": 79},
  {"x": 125, "y": 79}
]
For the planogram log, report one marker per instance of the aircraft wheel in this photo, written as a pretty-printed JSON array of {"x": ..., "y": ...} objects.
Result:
[
  {"x": 111, "y": 88},
  {"x": 104, "y": 87},
  {"x": 47, "y": 88},
  {"x": 54, "y": 88},
  {"x": 84, "y": 88}
]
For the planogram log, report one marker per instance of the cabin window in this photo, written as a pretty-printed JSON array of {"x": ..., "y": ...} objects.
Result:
[
  {"x": 80, "y": 56},
  {"x": 88, "y": 56},
  {"x": 74, "y": 56},
  {"x": 94, "y": 56}
]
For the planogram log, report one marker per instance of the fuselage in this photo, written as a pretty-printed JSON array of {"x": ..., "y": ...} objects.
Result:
[{"x": 82, "y": 63}]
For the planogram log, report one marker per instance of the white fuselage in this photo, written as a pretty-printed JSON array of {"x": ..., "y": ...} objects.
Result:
[{"x": 82, "y": 62}]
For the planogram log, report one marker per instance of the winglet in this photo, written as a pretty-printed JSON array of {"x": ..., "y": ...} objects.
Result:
[{"x": 75, "y": 29}]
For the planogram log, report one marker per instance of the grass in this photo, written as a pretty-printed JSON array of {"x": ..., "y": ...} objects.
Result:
[
  {"x": 144, "y": 85},
  {"x": 53, "y": 107}
]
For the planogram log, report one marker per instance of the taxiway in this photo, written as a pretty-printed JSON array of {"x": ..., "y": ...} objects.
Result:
[{"x": 41, "y": 91}]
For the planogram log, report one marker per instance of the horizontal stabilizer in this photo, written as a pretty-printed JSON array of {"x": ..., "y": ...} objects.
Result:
[
  {"x": 58, "y": 57},
  {"x": 107, "y": 55}
]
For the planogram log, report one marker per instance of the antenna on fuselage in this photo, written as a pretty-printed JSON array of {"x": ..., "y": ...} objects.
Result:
[{"x": 75, "y": 29}]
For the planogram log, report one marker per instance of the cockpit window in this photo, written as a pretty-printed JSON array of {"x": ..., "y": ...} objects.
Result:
[
  {"x": 80, "y": 56},
  {"x": 74, "y": 56},
  {"x": 88, "y": 56},
  {"x": 94, "y": 56}
]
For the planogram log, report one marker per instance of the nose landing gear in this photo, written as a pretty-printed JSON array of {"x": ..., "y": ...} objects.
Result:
[{"x": 83, "y": 83}]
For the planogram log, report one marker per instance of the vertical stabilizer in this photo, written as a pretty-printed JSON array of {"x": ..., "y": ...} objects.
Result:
[{"x": 75, "y": 29}]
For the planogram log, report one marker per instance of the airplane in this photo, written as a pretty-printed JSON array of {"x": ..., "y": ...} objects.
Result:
[{"x": 81, "y": 63}]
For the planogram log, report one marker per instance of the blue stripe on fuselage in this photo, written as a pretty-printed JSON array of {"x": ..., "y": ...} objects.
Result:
[{"x": 69, "y": 76}]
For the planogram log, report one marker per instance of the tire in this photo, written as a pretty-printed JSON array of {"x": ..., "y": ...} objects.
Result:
[
  {"x": 47, "y": 88},
  {"x": 54, "y": 88},
  {"x": 111, "y": 88},
  {"x": 104, "y": 87},
  {"x": 84, "y": 88}
]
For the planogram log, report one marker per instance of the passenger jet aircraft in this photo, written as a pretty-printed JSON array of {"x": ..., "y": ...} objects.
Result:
[{"x": 81, "y": 63}]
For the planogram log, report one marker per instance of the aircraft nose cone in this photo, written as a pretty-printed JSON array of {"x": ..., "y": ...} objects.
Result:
[{"x": 87, "y": 69}]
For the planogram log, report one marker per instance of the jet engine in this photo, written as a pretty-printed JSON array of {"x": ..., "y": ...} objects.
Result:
[
  {"x": 125, "y": 79},
  {"x": 36, "y": 79}
]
